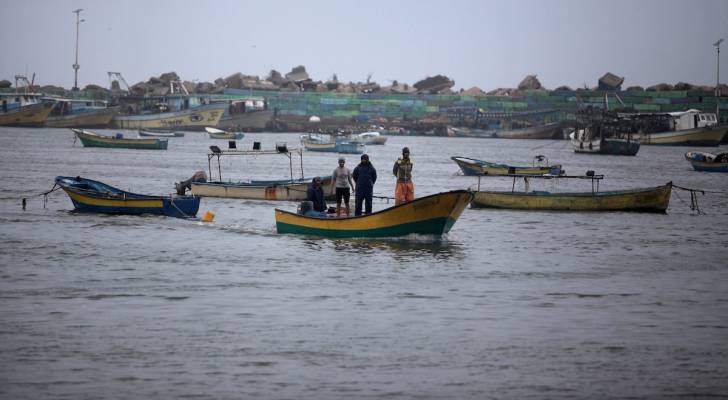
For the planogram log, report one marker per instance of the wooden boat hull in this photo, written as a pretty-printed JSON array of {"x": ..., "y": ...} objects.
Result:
[
  {"x": 276, "y": 190},
  {"x": 608, "y": 146},
  {"x": 160, "y": 133},
  {"x": 333, "y": 147},
  {"x": 709, "y": 136},
  {"x": 29, "y": 115},
  {"x": 431, "y": 215},
  {"x": 654, "y": 199},
  {"x": 89, "y": 139},
  {"x": 116, "y": 201},
  {"x": 704, "y": 162},
  {"x": 472, "y": 167},
  {"x": 91, "y": 119},
  {"x": 249, "y": 121},
  {"x": 228, "y": 136},
  {"x": 193, "y": 119},
  {"x": 548, "y": 131}
]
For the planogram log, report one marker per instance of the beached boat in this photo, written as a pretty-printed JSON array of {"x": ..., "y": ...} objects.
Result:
[
  {"x": 165, "y": 133},
  {"x": 191, "y": 115},
  {"x": 683, "y": 128},
  {"x": 339, "y": 145},
  {"x": 473, "y": 167},
  {"x": 24, "y": 109},
  {"x": 93, "y": 196},
  {"x": 430, "y": 215},
  {"x": 284, "y": 189},
  {"x": 91, "y": 139},
  {"x": 77, "y": 113},
  {"x": 582, "y": 141},
  {"x": 707, "y": 162},
  {"x": 251, "y": 115},
  {"x": 462, "y": 131},
  {"x": 221, "y": 134},
  {"x": 653, "y": 199},
  {"x": 368, "y": 138},
  {"x": 547, "y": 131}
]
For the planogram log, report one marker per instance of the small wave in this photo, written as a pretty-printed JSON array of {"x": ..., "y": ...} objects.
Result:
[{"x": 109, "y": 296}]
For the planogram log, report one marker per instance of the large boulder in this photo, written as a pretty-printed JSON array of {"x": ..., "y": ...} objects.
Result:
[
  {"x": 168, "y": 77},
  {"x": 610, "y": 82},
  {"x": 660, "y": 87},
  {"x": 530, "y": 82},
  {"x": 683, "y": 86},
  {"x": 434, "y": 84},
  {"x": 93, "y": 87},
  {"x": 4, "y": 84},
  {"x": 276, "y": 78},
  {"x": 234, "y": 81},
  {"x": 298, "y": 74}
]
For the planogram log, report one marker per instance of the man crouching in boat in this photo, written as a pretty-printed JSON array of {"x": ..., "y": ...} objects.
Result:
[
  {"x": 405, "y": 189},
  {"x": 315, "y": 194}
]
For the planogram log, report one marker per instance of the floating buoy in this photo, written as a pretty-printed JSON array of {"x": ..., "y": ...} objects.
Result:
[{"x": 208, "y": 217}]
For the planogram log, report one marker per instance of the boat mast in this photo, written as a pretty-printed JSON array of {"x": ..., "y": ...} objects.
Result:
[
  {"x": 717, "y": 81},
  {"x": 75, "y": 65}
]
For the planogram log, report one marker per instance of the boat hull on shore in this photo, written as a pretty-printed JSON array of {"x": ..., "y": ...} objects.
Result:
[
  {"x": 654, "y": 199},
  {"x": 191, "y": 119},
  {"x": 91, "y": 139},
  {"x": 90, "y": 119},
  {"x": 32, "y": 115},
  {"x": 706, "y": 136},
  {"x": 431, "y": 215},
  {"x": 547, "y": 131}
]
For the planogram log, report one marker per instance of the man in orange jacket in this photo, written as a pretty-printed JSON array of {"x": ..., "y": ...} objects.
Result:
[{"x": 405, "y": 189}]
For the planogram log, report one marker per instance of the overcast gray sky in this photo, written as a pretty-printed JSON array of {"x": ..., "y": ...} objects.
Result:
[{"x": 488, "y": 44}]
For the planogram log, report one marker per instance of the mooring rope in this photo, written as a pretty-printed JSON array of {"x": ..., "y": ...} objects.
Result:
[{"x": 694, "y": 206}]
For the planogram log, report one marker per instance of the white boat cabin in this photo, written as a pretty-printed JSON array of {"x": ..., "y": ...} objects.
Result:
[
  {"x": 692, "y": 119},
  {"x": 14, "y": 101}
]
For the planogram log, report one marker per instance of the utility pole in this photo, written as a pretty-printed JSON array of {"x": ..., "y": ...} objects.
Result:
[
  {"x": 717, "y": 81},
  {"x": 75, "y": 65}
]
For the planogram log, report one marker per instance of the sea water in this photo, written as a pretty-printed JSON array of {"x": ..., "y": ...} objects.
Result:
[{"x": 508, "y": 305}]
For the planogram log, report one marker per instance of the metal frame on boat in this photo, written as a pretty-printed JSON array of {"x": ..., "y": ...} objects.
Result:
[{"x": 286, "y": 189}]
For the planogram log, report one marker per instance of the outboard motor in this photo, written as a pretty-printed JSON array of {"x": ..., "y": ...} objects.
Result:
[
  {"x": 183, "y": 186},
  {"x": 305, "y": 207}
]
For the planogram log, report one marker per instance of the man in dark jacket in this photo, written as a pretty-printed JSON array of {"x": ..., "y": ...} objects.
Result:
[
  {"x": 365, "y": 176},
  {"x": 315, "y": 194}
]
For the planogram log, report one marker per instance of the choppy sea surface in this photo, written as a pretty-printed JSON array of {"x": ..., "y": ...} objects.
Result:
[{"x": 508, "y": 305}]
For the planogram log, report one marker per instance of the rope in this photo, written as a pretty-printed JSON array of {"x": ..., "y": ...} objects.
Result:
[
  {"x": 694, "y": 206},
  {"x": 24, "y": 199},
  {"x": 171, "y": 201}
]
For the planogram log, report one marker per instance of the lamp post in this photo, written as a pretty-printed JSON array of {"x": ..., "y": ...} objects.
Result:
[
  {"x": 75, "y": 65},
  {"x": 717, "y": 81}
]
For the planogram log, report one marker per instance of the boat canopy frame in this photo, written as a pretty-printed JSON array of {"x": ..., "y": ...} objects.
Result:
[
  {"x": 281, "y": 149},
  {"x": 589, "y": 175}
]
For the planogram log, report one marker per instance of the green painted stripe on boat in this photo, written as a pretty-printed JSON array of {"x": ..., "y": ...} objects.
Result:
[{"x": 435, "y": 226}]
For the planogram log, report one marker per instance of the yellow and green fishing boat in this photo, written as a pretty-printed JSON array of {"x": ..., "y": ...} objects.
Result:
[{"x": 431, "y": 215}]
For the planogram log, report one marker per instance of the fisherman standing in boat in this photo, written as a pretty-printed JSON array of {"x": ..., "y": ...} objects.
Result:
[
  {"x": 365, "y": 176},
  {"x": 405, "y": 189},
  {"x": 342, "y": 183}
]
